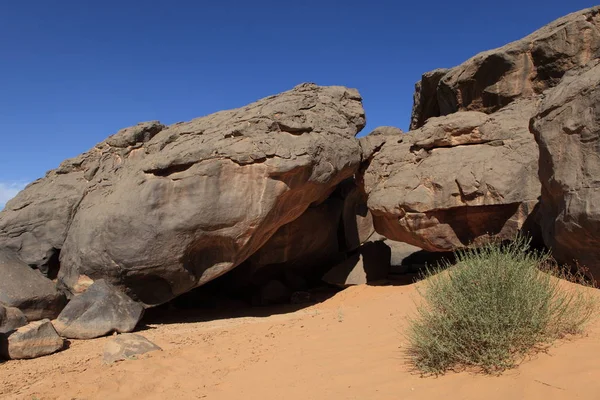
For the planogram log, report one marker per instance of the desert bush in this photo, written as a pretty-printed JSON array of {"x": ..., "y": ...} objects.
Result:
[{"x": 491, "y": 309}]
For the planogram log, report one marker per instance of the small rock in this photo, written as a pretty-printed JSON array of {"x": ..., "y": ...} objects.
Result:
[
  {"x": 300, "y": 298},
  {"x": 31, "y": 341},
  {"x": 371, "y": 263},
  {"x": 126, "y": 347},
  {"x": 101, "y": 310},
  {"x": 11, "y": 318},
  {"x": 274, "y": 292}
]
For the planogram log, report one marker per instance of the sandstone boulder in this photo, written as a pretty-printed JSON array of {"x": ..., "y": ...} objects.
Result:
[
  {"x": 27, "y": 289},
  {"x": 158, "y": 211},
  {"x": 127, "y": 346},
  {"x": 567, "y": 128},
  {"x": 521, "y": 69},
  {"x": 99, "y": 311},
  {"x": 11, "y": 318},
  {"x": 459, "y": 180},
  {"x": 31, "y": 341}
]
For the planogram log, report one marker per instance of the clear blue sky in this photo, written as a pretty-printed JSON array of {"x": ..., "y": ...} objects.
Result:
[{"x": 74, "y": 72}]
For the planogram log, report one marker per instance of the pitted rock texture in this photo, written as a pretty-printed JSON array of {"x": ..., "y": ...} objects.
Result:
[
  {"x": 567, "y": 128},
  {"x": 458, "y": 181},
  {"x": 521, "y": 69},
  {"x": 158, "y": 211}
]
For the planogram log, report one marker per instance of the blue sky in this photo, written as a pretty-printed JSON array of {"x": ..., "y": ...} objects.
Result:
[{"x": 74, "y": 72}]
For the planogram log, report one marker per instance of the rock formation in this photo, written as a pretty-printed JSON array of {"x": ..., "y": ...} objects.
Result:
[
  {"x": 160, "y": 210},
  {"x": 525, "y": 68},
  {"x": 567, "y": 128},
  {"x": 459, "y": 180}
]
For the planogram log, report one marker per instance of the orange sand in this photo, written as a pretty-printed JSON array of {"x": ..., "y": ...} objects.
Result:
[{"x": 348, "y": 347}]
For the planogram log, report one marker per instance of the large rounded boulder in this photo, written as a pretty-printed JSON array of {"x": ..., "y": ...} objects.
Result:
[{"x": 158, "y": 210}]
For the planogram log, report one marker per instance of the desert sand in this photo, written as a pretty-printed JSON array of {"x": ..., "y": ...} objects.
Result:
[{"x": 350, "y": 346}]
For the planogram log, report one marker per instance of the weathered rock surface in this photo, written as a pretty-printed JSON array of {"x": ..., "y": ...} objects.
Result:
[
  {"x": 31, "y": 341},
  {"x": 127, "y": 346},
  {"x": 525, "y": 68},
  {"x": 27, "y": 289},
  {"x": 369, "y": 264},
  {"x": 160, "y": 210},
  {"x": 11, "y": 318},
  {"x": 567, "y": 128},
  {"x": 99, "y": 311},
  {"x": 459, "y": 180}
]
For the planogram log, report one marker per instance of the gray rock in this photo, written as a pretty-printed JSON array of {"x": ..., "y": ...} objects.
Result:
[
  {"x": 11, "y": 318},
  {"x": 460, "y": 180},
  {"x": 127, "y": 346},
  {"x": 521, "y": 69},
  {"x": 211, "y": 191},
  {"x": 567, "y": 128},
  {"x": 357, "y": 221},
  {"x": 27, "y": 289},
  {"x": 369, "y": 264},
  {"x": 99, "y": 311},
  {"x": 31, "y": 341}
]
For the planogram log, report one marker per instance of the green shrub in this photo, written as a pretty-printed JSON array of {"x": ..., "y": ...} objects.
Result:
[{"x": 491, "y": 309}]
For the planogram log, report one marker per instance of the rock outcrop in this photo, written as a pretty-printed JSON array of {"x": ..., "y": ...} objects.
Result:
[
  {"x": 521, "y": 69},
  {"x": 158, "y": 211},
  {"x": 457, "y": 181},
  {"x": 31, "y": 341},
  {"x": 27, "y": 289},
  {"x": 99, "y": 311},
  {"x": 567, "y": 128}
]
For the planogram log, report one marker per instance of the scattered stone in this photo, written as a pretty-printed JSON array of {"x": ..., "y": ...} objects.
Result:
[
  {"x": 31, "y": 341},
  {"x": 27, "y": 289},
  {"x": 101, "y": 310},
  {"x": 11, "y": 318},
  {"x": 127, "y": 346}
]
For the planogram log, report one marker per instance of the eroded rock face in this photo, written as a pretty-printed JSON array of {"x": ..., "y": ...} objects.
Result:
[
  {"x": 457, "y": 181},
  {"x": 28, "y": 290},
  {"x": 567, "y": 128},
  {"x": 160, "y": 210},
  {"x": 521, "y": 69}
]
